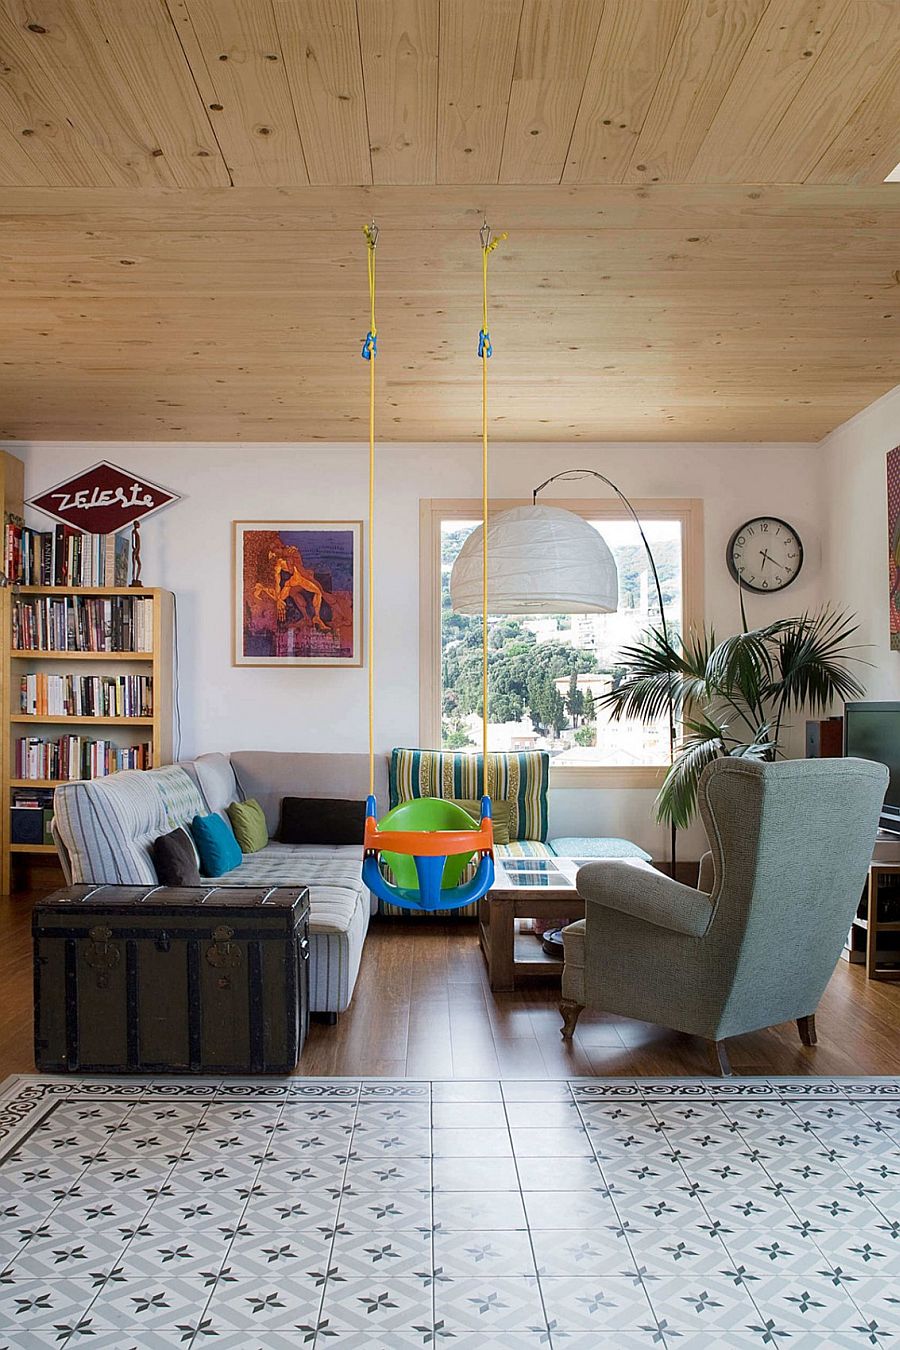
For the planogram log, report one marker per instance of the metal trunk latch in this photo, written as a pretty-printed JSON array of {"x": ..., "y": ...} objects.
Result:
[
  {"x": 101, "y": 955},
  {"x": 223, "y": 954}
]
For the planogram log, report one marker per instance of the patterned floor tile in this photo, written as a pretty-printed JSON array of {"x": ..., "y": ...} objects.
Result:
[
  {"x": 699, "y": 1302},
  {"x": 165, "y": 1305},
  {"x": 40, "y": 1303},
  {"x": 388, "y": 1174},
  {"x": 256, "y": 1304},
  {"x": 381, "y": 1255},
  {"x": 400, "y": 1209},
  {"x": 489, "y": 1304},
  {"x": 378, "y": 1305},
  {"x": 877, "y": 1298},
  {"x": 593, "y": 1253},
  {"x": 597, "y": 1304},
  {"x": 260, "y": 1251},
  {"x": 173, "y": 1255},
  {"x": 805, "y": 1303},
  {"x": 294, "y": 1209},
  {"x": 665, "y": 1250},
  {"x": 492, "y": 1252}
]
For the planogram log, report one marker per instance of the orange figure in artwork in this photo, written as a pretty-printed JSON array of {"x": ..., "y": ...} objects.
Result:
[{"x": 288, "y": 579}]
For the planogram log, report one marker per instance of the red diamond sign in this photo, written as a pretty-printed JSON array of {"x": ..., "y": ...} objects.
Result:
[{"x": 103, "y": 499}]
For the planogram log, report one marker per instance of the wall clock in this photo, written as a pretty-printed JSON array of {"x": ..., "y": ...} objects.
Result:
[{"x": 765, "y": 554}]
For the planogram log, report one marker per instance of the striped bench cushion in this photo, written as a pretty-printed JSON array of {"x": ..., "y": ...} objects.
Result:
[{"x": 520, "y": 778}]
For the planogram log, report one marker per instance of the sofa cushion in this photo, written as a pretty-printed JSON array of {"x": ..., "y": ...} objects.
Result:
[
  {"x": 107, "y": 826},
  {"x": 270, "y": 775},
  {"x": 216, "y": 781},
  {"x": 520, "y": 778},
  {"x": 175, "y": 859},
  {"x": 335, "y": 883},
  {"x": 584, "y": 846},
  {"x": 219, "y": 851},
  {"x": 249, "y": 825},
  {"x": 499, "y": 815},
  {"x": 321, "y": 820}
]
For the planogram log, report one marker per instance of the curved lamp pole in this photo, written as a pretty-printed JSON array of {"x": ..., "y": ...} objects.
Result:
[{"x": 578, "y": 475}]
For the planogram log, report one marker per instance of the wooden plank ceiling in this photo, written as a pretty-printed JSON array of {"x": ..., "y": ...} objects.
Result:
[
  {"x": 701, "y": 243},
  {"x": 199, "y": 93}
]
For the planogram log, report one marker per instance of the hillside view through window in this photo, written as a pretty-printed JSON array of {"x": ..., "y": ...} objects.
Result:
[{"x": 548, "y": 673}]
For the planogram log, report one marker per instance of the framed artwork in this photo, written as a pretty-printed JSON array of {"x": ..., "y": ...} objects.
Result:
[
  {"x": 893, "y": 507},
  {"x": 298, "y": 593}
]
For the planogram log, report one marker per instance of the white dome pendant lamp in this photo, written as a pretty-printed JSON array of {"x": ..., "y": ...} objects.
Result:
[{"x": 543, "y": 560}]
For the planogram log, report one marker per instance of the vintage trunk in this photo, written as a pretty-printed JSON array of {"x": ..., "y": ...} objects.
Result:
[{"x": 171, "y": 980}]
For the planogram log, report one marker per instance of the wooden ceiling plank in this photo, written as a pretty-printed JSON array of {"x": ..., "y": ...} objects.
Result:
[
  {"x": 399, "y": 45},
  {"x": 633, "y": 43},
  {"x": 477, "y": 57},
  {"x": 320, "y": 45},
  {"x": 863, "y": 48},
  {"x": 556, "y": 40},
  {"x": 122, "y": 79},
  {"x": 782, "y": 55},
  {"x": 868, "y": 146},
  {"x": 711, "y": 40},
  {"x": 234, "y": 53},
  {"x": 451, "y": 210},
  {"x": 30, "y": 113},
  {"x": 15, "y": 165}
]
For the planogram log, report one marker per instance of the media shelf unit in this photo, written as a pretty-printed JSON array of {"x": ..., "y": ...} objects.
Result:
[{"x": 120, "y": 730}]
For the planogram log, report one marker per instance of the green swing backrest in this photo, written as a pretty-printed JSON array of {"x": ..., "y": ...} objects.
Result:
[{"x": 427, "y": 813}]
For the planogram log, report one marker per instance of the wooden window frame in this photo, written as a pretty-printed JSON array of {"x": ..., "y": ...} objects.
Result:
[{"x": 433, "y": 511}]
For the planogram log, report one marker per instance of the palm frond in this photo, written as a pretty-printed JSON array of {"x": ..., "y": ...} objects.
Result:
[
  {"x": 811, "y": 662},
  {"x": 676, "y": 800}
]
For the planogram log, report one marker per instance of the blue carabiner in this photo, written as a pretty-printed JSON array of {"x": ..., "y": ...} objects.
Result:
[
  {"x": 370, "y": 346},
  {"x": 484, "y": 343}
]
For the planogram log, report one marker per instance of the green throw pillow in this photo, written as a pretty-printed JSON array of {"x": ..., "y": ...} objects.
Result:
[
  {"x": 249, "y": 825},
  {"x": 499, "y": 815}
]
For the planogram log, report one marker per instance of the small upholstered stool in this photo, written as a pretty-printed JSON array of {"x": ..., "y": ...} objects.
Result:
[{"x": 575, "y": 846}]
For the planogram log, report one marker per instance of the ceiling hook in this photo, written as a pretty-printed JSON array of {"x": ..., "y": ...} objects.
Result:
[{"x": 485, "y": 233}]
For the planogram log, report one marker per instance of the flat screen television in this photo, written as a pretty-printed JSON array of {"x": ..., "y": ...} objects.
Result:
[{"x": 872, "y": 731}]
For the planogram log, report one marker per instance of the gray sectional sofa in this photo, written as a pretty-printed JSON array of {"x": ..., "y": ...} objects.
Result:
[{"x": 104, "y": 830}]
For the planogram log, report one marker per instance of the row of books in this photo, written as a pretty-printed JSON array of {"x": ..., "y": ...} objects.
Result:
[
  {"x": 83, "y": 623},
  {"x": 66, "y": 557},
  {"x": 43, "y": 695},
  {"x": 69, "y": 758}
]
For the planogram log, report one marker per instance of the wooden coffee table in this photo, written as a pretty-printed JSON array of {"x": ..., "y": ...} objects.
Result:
[
  {"x": 528, "y": 888},
  {"x": 525, "y": 888}
]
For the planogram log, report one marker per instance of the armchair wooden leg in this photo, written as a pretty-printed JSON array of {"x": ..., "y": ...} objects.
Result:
[
  {"x": 807, "y": 1028},
  {"x": 723, "y": 1063},
  {"x": 570, "y": 1012}
]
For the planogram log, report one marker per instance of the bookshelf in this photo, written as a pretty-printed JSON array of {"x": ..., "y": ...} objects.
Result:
[{"x": 119, "y": 731}]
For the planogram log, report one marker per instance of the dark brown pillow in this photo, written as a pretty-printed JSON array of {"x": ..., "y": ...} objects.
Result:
[
  {"x": 321, "y": 820},
  {"x": 175, "y": 860}
]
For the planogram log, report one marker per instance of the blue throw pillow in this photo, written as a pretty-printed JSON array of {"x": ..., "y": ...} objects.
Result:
[{"x": 219, "y": 850}]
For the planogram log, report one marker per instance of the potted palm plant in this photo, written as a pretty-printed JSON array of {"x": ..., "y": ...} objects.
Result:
[{"x": 734, "y": 697}]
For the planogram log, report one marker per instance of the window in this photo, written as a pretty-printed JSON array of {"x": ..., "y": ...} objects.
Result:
[{"x": 548, "y": 673}]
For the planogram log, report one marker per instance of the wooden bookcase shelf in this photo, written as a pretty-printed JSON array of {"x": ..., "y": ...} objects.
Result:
[{"x": 14, "y": 663}]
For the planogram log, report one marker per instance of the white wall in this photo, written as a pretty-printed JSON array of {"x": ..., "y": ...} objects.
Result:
[
  {"x": 856, "y": 554},
  {"x": 188, "y": 549}
]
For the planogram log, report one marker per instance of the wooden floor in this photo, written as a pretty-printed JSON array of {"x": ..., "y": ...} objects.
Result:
[{"x": 422, "y": 1008}]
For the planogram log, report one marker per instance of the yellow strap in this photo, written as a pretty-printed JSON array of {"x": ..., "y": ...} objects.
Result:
[
  {"x": 371, "y": 237},
  {"x": 486, "y": 249}
]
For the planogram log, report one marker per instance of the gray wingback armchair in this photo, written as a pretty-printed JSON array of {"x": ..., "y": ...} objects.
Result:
[{"x": 756, "y": 943}]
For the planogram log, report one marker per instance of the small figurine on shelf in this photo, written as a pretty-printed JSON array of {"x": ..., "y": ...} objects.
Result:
[{"x": 136, "y": 553}]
